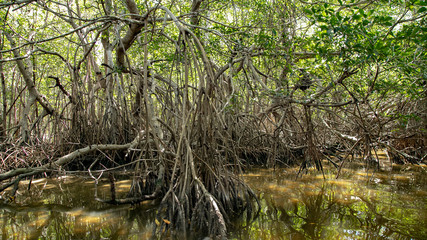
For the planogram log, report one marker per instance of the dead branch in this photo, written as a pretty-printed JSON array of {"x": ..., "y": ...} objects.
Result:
[{"x": 25, "y": 172}]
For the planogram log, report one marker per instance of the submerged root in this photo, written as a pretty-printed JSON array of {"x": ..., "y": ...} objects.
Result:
[
  {"x": 205, "y": 211},
  {"x": 207, "y": 215}
]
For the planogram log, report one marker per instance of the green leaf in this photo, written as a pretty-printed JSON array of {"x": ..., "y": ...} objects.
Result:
[
  {"x": 313, "y": 10},
  {"x": 422, "y": 9},
  {"x": 388, "y": 18},
  {"x": 338, "y": 15},
  {"x": 388, "y": 24},
  {"x": 308, "y": 11},
  {"x": 423, "y": 3},
  {"x": 323, "y": 27}
]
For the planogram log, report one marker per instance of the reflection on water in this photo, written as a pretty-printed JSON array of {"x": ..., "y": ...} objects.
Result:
[
  {"x": 65, "y": 209},
  {"x": 358, "y": 205}
]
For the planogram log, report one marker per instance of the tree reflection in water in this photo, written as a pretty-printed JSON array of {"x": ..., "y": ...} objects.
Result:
[
  {"x": 66, "y": 209},
  {"x": 360, "y": 206}
]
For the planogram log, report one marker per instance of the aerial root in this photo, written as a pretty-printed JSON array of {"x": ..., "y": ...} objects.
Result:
[{"x": 204, "y": 211}]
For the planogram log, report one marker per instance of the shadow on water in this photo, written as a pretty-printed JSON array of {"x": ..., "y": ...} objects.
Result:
[{"x": 358, "y": 205}]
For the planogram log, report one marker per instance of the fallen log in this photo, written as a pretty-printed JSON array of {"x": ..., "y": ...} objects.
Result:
[{"x": 48, "y": 167}]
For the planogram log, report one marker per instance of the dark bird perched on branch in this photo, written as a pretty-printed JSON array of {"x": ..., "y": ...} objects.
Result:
[{"x": 305, "y": 81}]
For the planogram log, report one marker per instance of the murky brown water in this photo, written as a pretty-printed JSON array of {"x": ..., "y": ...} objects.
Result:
[
  {"x": 65, "y": 209},
  {"x": 359, "y": 205}
]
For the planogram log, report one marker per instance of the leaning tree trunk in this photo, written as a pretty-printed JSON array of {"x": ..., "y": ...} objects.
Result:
[{"x": 26, "y": 72}]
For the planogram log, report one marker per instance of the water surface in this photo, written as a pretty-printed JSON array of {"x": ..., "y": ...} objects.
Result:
[
  {"x": 65, "y": 208},
  {"x": 358, "y": 205}
]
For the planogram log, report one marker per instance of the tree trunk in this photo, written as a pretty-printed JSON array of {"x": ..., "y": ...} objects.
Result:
[
  {"x": 27, "y": 75},
  {"x": 3, "y": 122}
]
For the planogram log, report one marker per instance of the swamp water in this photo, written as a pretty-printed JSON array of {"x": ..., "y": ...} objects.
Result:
[{"x": 358, "y": 205}]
